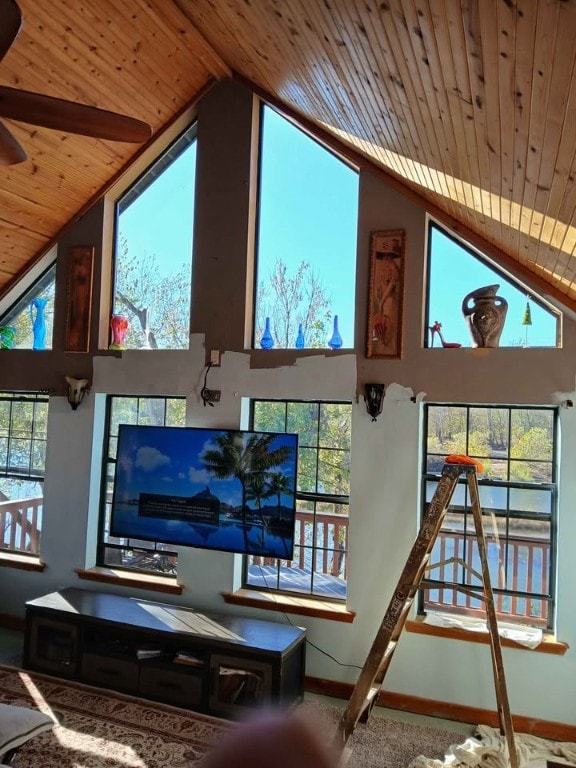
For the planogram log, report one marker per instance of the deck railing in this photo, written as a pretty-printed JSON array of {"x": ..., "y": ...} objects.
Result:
[
  {"x": 527, "y": 556},
  {"x": 526, "y": 571},
  {"x": 20, "y": 525},
  {"x": 326, "y": 536}
]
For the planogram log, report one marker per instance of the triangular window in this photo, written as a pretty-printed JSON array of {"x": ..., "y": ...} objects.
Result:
[
  {"x": 456, "y": 277},
  {"x": 29, "y": 321},
  {"x": 153, "y": 250},
  {"x": 306, "y": 253}
]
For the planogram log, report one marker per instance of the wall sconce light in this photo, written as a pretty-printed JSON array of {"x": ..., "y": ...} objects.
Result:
[
  {"x": 77, "y": 388},
  {"x": 374, "y": 398}
]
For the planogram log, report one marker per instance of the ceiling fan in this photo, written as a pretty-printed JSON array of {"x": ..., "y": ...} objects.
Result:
[{"x": 49, "y": 112}]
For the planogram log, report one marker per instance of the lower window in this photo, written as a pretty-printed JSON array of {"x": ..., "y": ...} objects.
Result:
[
  {"x": 23, "y": 431},
  {"x": 320, "y": 559},
  {"x": 149, "y": 557},
  {"x": 517, "y": 448}
]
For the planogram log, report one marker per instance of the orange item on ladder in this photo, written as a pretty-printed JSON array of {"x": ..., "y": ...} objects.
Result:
[{"x": 460, "y": 458}]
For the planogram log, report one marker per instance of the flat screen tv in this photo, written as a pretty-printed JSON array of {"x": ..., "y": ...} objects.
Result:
[{"x": 219, "y": 489}]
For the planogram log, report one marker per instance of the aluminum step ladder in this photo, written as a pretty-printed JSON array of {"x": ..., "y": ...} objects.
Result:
[{"x": 372, "y": 675}]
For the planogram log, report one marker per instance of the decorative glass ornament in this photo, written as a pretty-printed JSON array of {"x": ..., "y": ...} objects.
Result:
[
  {"x": 526, "y": 321},
  {"x": 119, "y": 328},
  {"x": 335, "y": 341},
  {"x": 7, "y": 336},
  {"x": 267, "y": 340},
  {"x": 300, "y": 340},
  {"x": 37, "y": 316}
]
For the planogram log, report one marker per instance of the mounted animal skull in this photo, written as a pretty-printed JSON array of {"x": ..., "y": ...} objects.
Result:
[{"x": 77, "y": 388}]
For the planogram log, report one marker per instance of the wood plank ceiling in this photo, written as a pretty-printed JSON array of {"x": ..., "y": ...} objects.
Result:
[{"x": 469, "y": 103}]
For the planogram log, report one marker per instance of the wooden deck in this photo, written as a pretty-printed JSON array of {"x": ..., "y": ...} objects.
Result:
[{"x": 296, "y": 580}]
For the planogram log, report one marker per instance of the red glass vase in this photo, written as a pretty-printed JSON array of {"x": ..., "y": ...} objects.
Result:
[{"x": 119, "y": 327}]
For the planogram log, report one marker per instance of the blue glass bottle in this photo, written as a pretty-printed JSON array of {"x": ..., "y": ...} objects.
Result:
[
  {"x": 300, "y": 340},
  {"x": 267, "y": 340},
  {"x": 335, "y": 341},
  {"x": 38, "y": 322}
]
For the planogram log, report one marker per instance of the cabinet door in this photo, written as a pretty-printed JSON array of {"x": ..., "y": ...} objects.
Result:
[
  {"x": 52, "y": 646},
  {"x": 173, "y": 685},
  {"x": 238, "y": 684},
  {"x": 109, "y": 672}
]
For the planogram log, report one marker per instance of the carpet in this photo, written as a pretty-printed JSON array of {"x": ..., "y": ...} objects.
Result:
[
  {"x": 103, "y": 729},
  {"x": 385, "y": 743}
]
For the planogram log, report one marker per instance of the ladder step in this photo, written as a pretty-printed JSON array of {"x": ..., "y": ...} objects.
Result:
[
  {"x": 372, "y": 693},
  {"x": 390, "y": 649},
  {"x": 374, "y": 671}
]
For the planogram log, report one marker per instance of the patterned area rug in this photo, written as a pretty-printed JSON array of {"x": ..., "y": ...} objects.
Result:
[
  {"x": 98, "y": 729},
  {"x": 104, "y": 729}
]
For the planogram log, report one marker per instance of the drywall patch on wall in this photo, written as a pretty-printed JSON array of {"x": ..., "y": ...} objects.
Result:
[
  {"x": 396, "y": 393},
  {"x": 164, "y": 371},
  {"x": 315, "y": 377}
]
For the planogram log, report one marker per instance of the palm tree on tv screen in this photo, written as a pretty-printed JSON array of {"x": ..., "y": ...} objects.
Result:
[{"x": 244, "y": 459}]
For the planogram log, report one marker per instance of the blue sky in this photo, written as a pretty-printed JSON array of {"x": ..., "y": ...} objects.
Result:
[
  {"x": 454, "y": 273},
  {"x": 167, "y": 460},
  {"x": 160, "y": 221},
  {"x": 309, "y": 212}
]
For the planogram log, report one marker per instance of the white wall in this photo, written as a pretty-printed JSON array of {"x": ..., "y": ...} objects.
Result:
[{"x": 385, "y": 455}]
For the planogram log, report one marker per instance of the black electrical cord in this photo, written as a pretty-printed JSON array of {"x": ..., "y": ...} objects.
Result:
[
  {"x": 204, "y": 391},
  {"x": 309, "y": 642}
]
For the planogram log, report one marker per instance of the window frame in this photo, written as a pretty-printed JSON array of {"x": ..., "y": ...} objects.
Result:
[
  {"x": 499, "y": 273},
  {"x": 506, "y": 513},
  {"x": 315, "y": 498},
  {"x": 22, "y": 303},
  {"x": 108, "y": 460},
  {"x": 138, "y": 186},
  {"x": 36, "y": 398},
  {"x": 254, "y": 337}
]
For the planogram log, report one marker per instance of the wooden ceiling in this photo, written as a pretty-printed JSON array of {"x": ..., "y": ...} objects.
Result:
[{"x": 469, "y": 104}]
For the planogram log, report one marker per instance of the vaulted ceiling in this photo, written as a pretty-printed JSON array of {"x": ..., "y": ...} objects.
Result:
[{"x": 468, "y": 105}]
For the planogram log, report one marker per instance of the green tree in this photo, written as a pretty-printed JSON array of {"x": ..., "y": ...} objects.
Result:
[
  {"x": 23, "y": 426},
  {"x": 155, "y": 303},
  {"x": 534, "y": 444}
]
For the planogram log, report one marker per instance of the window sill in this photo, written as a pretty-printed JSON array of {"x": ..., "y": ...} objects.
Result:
[
  {"x": 304, "y": 606},
  {"x": 131, "y": 579},
  {"x": 23, "y": 562},
  {"x": 549, "y": 644}
]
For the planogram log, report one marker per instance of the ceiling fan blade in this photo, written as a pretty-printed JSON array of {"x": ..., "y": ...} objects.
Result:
[
  {"x": 11, "y": 152},
  {"x": 10, "y": 23},
  {"x": 69, "y": 117}
]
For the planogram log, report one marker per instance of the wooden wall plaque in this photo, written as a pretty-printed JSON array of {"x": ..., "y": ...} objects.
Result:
[{"x": 79, "y": 298}]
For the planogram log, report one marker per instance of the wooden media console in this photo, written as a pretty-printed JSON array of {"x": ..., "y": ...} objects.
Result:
[{"x": 219, "y": 664}]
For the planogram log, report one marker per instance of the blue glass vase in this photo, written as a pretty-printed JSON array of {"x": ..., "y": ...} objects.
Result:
[
  {"x": 37, "y": 310},
  {"x": 300, "y": 340},
  {"x": 335, "y": 341},
  {"x": 267, "y": 340}
]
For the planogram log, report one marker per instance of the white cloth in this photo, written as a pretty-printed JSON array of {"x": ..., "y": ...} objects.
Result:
[
  {"x": 489, "y": 748},
  {"x": 530, "y": 637}
]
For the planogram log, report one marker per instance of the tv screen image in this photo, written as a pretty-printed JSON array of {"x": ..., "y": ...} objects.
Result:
[{"x": 221, "y": 489}]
